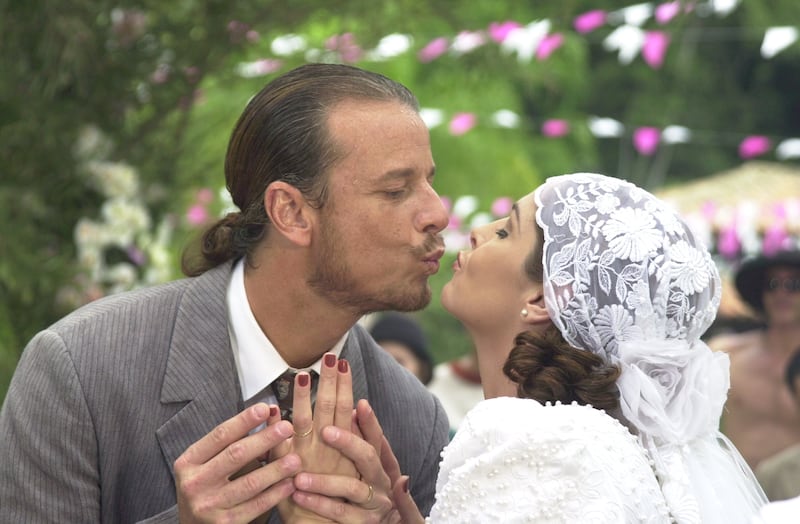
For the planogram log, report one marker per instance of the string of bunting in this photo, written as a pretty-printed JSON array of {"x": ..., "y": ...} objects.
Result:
[{"x": 537, "y": 40}]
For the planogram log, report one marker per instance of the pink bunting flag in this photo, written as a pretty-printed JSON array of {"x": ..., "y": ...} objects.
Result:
[
  {"x": 655, "y": 48},
  {"x": 435, "y": 48},
  {"x": 498, "y": 31},
  {"x": 549, "y": 44},
  {"x": 646, "y": 139},
  {"x": 776, "y": 239},
  {"x": 589, "y": 21},
  {"x": 554, "y": 128},
  {"x": 754, "y": 146},
  {"x": 462, "y": 122},
  {"x": 728, "y": 243}
]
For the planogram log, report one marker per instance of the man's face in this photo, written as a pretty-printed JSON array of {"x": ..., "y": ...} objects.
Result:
[
  {"x": 782, "y": 296},
  {"x": 377, "y": 237}
]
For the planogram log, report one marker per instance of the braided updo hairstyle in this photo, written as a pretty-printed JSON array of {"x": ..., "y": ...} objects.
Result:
[
  {"x": 282, "y": 135},
  {"x": 545, "y": 367}
]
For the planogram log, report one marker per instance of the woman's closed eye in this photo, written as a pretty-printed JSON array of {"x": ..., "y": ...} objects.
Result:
[{"x": 501, "y": 233}]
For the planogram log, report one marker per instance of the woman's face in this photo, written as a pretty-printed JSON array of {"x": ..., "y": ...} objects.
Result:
[{"x": 489, "y": 285}]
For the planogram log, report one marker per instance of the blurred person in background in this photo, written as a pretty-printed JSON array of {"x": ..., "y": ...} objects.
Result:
[
  {"x": 760, "y": 416},
  {"x": 779, "y": 474},
  {"x": 457, "y": 385},
  {"x": 401, "y": 335}
]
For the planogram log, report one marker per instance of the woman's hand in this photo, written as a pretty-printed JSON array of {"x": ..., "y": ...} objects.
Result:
[
  {"x": 333, "y": 407},
  {"x": 369, "y": 499}
]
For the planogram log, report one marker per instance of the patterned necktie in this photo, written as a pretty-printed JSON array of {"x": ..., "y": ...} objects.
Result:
[{"x": 283, "y": 388}]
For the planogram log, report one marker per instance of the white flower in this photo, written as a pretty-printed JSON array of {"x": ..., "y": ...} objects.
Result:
[
  {"x": 688, "y": 268},
  {"x": 614, "y": 323},
  {"x": 671, "y": 390},
  {"x": 606, "y": 203},
  {"x": 632, "y": 234},
  {"x": 115, "y": 180}
]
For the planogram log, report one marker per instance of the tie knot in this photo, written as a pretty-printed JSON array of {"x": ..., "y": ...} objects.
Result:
[{"x": 283, "y": 389}]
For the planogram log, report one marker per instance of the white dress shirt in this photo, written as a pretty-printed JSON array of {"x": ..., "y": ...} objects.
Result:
[{"x": 258, "y": 363}]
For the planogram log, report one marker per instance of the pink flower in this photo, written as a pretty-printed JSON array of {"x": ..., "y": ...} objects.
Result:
[
  {"x": 502, "y": 207},
  {"x": 197, "y": 215},
  {"x": 754, "y": 146},
  {"x": 555, "y": 128},
  {"x": 589, "y": 21},
  {"x": 645, "y": 140},
  {"x": 499, "y": 31},
  {"x": 667, "y": 11},
  {"x": 654, "y": 48},
  {"x": 549, "y": 44},
  {"x": 433, "y": 50},
  {"x": 462, "y": 122}
]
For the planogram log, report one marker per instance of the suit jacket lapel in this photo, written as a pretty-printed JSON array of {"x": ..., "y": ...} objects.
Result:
[
  {"x": 200, "y": 367},
  {"x": 352, "y": 353}
]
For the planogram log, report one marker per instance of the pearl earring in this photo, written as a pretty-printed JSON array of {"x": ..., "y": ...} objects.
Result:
[{"x": 524, "y": 312}]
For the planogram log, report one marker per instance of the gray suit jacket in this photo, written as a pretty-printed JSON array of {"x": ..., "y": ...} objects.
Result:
[{"x": 103, "y": 402}]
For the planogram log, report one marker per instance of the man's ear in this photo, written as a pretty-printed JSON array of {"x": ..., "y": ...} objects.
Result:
[
  {"x": 288, "y": 212},
  {"x": 535, "y": 308}
]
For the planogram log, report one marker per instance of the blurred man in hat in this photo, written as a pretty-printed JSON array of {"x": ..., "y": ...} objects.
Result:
[
  {"x": 401, "y": 336},
  {"x": 760, "y": 416}
]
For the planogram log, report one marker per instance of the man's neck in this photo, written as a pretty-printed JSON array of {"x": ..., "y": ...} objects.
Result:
[{"x": 300, "y": 325}]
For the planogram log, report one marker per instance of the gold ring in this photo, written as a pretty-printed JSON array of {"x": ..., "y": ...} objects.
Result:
[
  {"x": 369, "y": 497},
  {"x": 305, "y": 433}
]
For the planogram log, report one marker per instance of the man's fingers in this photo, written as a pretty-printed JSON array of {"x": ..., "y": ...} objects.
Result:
[
  {"x": 360, "y": 452},
  {"x": 225, "y": 434},
  {"x": 241, "y": 490},
  {"x": 341, "y": 499},
  {"x": 250, "y": 448}
]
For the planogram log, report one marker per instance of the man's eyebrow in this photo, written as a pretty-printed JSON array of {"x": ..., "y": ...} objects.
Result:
[{"x": 403, "y": 172}]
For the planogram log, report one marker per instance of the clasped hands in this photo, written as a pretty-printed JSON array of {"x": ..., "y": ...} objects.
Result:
[{"x": 329, "y": 465}]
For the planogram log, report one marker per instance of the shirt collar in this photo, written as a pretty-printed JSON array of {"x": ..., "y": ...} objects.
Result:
[{"x": 258, "y": 363}]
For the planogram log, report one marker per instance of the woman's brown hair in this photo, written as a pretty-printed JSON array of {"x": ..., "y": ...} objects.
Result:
[{"x": 547, "y": 368}]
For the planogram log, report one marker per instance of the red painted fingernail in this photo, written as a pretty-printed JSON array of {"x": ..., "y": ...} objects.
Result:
[
  {"x": 330, "y": 360},
  {"x": 273, "y": 411},
  {"x": 343, "y": 366},
  {"x": 302, "y": 379}
]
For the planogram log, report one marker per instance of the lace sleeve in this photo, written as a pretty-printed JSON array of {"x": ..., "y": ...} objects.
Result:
[{"x": 514, "y": 460}]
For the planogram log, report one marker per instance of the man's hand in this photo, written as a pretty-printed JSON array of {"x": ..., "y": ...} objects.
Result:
[
  {"x": 355, "y": 500},
  {"x": 220, "y": 479}
]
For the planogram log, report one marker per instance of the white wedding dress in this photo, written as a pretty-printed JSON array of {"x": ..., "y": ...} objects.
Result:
[{"x": 516, "y": 460}]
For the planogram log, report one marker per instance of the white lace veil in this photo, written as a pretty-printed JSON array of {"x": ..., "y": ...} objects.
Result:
[{"x": 626, "y": 279}]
